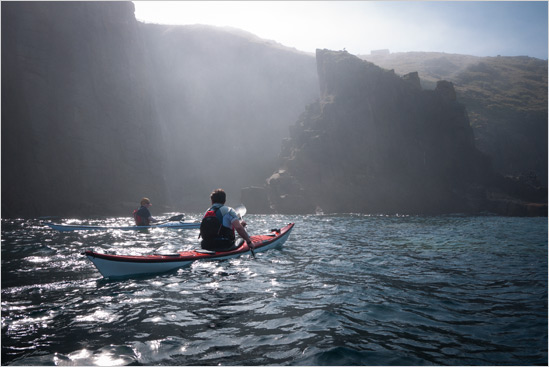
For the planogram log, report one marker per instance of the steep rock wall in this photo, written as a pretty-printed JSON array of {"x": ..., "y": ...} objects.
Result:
[
  {"x": 78, "y": 135},
  {"x": 99, "y": 110}
]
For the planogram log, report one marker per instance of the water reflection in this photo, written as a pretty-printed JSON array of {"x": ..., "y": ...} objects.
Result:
[{"x": 430, "y": 290}]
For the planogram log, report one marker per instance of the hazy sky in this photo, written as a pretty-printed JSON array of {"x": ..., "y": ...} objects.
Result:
[{"x": 481, "y": 28}]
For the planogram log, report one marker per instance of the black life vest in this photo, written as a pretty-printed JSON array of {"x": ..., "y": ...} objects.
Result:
[
  {"x": 139, "y": 220},
  {"x": 212, "y": 227}
]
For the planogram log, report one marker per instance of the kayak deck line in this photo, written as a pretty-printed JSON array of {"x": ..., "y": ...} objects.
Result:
[
  {"x": 114, "y": 266},
  {"x": 78, "y": 227}
]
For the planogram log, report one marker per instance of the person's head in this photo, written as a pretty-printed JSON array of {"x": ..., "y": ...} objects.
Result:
[
  {"x": 145, "y": 201},
  {"x": 218, "y": 196}
]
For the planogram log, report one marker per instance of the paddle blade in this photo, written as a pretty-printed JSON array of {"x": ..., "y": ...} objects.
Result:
[
  {"x": 240, "y": 210},
  {"x": 176, "y": 218}
]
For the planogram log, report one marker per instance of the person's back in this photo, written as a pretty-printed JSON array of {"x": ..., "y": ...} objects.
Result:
[
  {"x": 215, "y": 229},
  {"x": 142, "y": 216},
  {"x": 218, "y": 225}
]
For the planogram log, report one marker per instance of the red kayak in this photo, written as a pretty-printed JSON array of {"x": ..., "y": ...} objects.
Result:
[{"x": 116, "y": 266}]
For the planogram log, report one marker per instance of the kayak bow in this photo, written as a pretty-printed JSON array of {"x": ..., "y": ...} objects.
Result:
[
  {"x": 172, "y": 225},
  {"x": 117, "y": 266}
]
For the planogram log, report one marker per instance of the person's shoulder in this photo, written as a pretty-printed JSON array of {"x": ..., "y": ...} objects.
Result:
[
  {"x": 143, "y": 210},
  {"x": 232, "y": 212},
  {"x": 225, "y": 209}
]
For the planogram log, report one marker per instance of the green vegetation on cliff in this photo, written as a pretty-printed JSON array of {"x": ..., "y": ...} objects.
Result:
[{"x": 506, "y": 99}]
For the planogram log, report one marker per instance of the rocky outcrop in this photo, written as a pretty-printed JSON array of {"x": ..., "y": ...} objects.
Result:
[
  {"x": 377, "y": 143},
  {"x": 517, "y": 196},
  {"x": 506, "y": 99}
]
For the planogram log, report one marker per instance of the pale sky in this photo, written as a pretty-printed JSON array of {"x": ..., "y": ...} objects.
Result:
[{"x": 480, "y": 28}]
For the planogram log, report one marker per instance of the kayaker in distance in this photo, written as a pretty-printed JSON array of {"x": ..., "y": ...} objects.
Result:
[
  {"x": 219, "y": 224},
  {"x": 142, "y": 215}
]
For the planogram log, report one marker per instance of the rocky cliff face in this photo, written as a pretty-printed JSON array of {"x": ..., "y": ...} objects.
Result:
[
  {"x": 77, "y": 110},
  {"x": 99, "y": 110},
  {"x": 506, "y": 99},
  {"x": 376, "y": 142}
]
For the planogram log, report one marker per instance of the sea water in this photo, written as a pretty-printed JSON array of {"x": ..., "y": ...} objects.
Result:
[{"x": 343, "y": 290}]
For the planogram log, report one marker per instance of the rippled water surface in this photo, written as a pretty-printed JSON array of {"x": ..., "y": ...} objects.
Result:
[{"x": 343, "y": 290}]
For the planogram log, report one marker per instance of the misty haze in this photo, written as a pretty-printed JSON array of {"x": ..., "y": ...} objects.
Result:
[
  {"x": 173, "y": 112},
  {"x": 387, "y": 208}
]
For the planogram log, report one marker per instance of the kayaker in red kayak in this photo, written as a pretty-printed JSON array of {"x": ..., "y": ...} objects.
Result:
[
  {"x": 218, "y": 225},
  {"x": 142, "y": 215}
]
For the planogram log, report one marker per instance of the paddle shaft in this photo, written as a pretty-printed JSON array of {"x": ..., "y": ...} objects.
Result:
[
  {"x": 241, "y": 211},
  {"x": 175, "y": 218},
  {"x": 252, "y": 250}
]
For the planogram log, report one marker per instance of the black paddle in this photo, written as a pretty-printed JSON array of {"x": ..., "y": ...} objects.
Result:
[
  {"x": 176, "y": 218},
  {"x": 250, "y": 246}
]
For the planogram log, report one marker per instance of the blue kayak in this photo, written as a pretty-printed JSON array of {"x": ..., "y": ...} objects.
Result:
[{"x": 77, "y": 227}]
